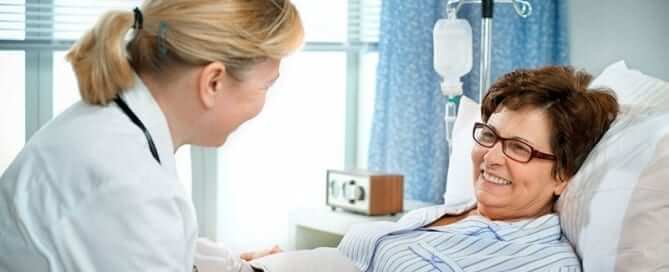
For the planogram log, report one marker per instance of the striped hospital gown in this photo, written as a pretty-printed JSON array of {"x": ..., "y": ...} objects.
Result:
[{"x": 472, "y": 244}]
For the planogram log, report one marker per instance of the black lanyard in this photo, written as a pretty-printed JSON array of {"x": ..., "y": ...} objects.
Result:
[{"x": 124, "y": 107}]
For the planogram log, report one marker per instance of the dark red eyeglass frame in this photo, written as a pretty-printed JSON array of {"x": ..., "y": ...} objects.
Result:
[{"x": 534, "y": 154}]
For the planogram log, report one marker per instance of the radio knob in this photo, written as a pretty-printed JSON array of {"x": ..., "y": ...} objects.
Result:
[
  {"x": 344, "y": 190},
  {"x": 359, "y": 193},
  {"x": 334, "y": 189},
  {"x": 354, "y": 193}
]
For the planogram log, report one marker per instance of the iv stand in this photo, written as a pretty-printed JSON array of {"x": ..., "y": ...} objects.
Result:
[
  {"x": 523, "y": 9},
  {"x": 487, "y": 7}
]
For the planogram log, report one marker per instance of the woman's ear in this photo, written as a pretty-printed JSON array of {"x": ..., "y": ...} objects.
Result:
[
  {"x": 211, "y": 82},
  {"x": 561, "y": 185}
]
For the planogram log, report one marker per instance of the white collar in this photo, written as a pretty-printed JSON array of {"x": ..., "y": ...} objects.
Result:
[
  {"x": 141, "y": 102},
  {"x": 423, "y": 217}
]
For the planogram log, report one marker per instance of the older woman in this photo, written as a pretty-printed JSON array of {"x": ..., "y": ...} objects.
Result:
[{"x": 538, "y": 127}]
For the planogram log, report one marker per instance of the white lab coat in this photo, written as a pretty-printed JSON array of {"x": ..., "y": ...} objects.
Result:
[{"x": 85, "y": 194}]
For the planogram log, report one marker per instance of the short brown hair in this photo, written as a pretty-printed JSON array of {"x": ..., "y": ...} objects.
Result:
[{"x": 578, "y": 116}]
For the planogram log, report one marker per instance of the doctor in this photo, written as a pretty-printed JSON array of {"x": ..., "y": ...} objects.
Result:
[{"x": 96, "y": 188}]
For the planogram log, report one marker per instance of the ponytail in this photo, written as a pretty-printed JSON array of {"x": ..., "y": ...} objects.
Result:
[
  {"x": 235, "y": 32},
  {"x": 99, "y": 59}
]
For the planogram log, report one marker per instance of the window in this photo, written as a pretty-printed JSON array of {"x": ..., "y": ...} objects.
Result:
[
  {"x": 285, "y": 150},
  {"x": 366, "y": 105},
  {"x": 317, "y": 117},
  {"x": 12, "y": 115},
  {"x": 73, "y": 17},
  {"x": 65, "y": 88},
  {"x": 13, "y": 17},
  {"x": 325, "y": 21},
  {"x": 12, "y": 76}
]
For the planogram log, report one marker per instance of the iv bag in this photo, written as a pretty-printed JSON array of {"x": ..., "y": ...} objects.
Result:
[{"x": 452, "y": 53}]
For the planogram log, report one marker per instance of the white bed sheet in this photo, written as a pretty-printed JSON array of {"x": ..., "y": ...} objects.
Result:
[{"x": 324, "y": 259}]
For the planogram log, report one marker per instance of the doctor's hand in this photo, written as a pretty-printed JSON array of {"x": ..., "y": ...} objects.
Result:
[{"x": 252, "y": 255}]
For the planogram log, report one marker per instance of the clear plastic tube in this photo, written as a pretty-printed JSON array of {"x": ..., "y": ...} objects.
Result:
[{"x": 450, "y": 116}]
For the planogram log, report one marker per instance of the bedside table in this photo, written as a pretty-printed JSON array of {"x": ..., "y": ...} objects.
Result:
[{"x": 323, "y": 227}]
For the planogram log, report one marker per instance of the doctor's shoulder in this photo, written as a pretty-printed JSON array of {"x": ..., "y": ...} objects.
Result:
[
  {"x": 78, "y": 165},
  {"x": 84, "y": 146}
]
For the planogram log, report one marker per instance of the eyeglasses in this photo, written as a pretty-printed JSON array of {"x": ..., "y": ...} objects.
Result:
[{"x": 514, "y": 149}]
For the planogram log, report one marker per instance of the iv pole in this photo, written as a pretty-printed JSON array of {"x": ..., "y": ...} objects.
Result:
[
  {"x": 487, "y": 7},
  {"x": 523, "y": 9}
]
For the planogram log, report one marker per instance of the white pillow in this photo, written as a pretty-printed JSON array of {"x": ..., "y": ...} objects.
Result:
[
  {"x": 632, "y": 87},
  {"x": 615, "y": 211},
  {"x": 459, "y": 182}
]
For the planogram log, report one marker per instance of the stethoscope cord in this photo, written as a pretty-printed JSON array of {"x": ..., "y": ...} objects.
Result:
[{"x": 128, "y": 112}]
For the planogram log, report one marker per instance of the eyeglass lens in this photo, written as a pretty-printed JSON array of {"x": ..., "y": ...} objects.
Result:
[{"x": 512, "y": 148}]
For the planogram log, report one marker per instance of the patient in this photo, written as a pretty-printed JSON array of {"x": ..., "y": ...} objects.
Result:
[{"x": 537, "y": 130}]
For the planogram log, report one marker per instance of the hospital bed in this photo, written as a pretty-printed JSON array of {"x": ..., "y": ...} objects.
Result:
[{"x": 615, "y": 211}]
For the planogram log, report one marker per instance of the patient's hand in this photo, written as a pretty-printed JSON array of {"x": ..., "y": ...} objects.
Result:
[{"x": 249, "y": 256}]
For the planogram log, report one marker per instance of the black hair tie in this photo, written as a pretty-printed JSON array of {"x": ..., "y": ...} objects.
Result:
[{"x": 139, "y": 19}]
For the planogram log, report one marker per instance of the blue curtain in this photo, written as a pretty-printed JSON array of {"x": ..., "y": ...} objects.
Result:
[{"x": 408, "y": 126}]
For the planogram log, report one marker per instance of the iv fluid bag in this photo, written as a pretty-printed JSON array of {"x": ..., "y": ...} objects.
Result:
[{"x": 452, "y": 53}]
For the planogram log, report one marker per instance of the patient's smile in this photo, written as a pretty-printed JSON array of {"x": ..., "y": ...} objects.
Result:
[{"x": 494, "y": 179}]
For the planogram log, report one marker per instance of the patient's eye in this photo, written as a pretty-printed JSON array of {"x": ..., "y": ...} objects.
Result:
[
  {"x": 487, "y": 136},
  {"x": 519, "y": 149}
]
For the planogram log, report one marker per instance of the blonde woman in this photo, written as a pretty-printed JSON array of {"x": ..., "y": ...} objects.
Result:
[{"x": 96, "y": 189}]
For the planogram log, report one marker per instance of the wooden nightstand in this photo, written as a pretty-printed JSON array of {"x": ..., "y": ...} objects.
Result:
[{"x": 323, "y": 227}]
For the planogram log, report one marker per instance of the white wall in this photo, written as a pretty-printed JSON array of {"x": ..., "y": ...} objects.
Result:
[{"x": 604, "y": 31}]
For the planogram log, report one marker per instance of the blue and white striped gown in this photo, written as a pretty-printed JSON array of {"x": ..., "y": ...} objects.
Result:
[{"x": 472, "y": 244}]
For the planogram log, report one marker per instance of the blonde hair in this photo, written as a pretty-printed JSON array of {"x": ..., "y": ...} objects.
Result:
[{"x": 238, "y": 33}]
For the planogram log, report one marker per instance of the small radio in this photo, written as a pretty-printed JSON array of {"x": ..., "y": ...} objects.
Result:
[{"x": 371, "y": 193}]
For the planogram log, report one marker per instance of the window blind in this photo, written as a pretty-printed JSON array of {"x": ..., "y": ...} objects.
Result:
[
  {"x": 55, "y": 23},
  {"x": 53, "y": 20},
  {"x": 364, "y": 20}
]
